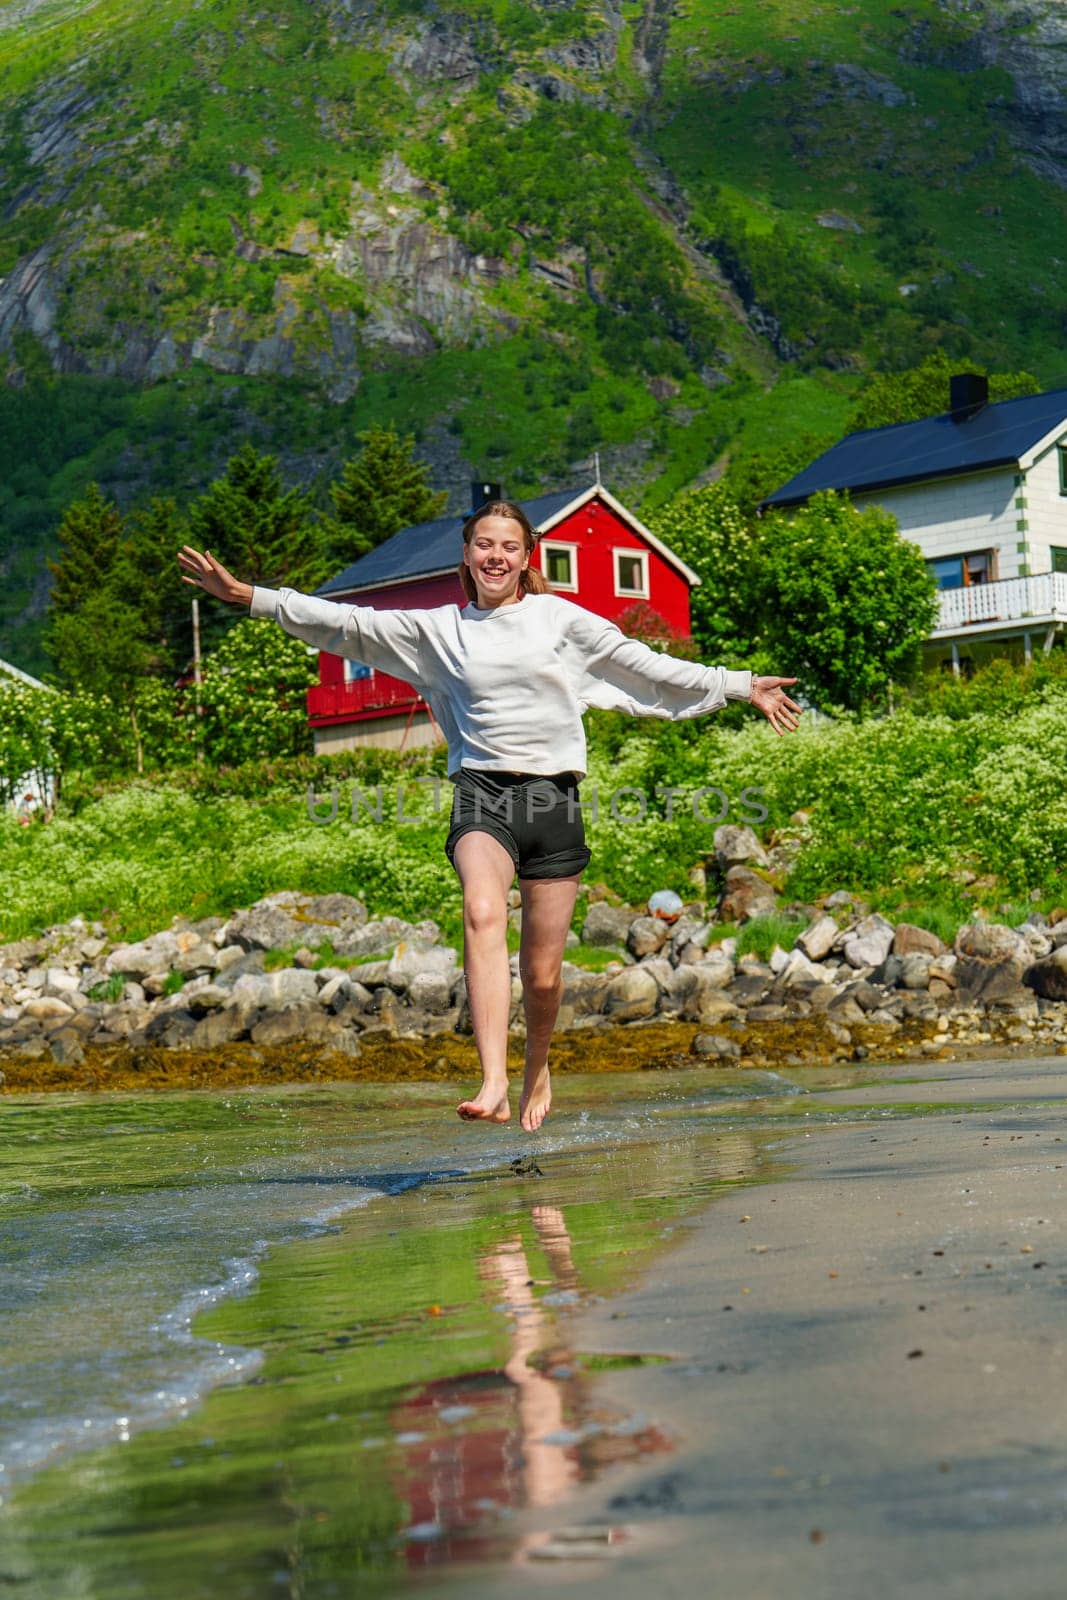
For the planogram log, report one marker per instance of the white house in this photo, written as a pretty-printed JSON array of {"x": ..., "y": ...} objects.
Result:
[
  {"x": 27, "y": 791},
  {"x": 982, "y": 490}
]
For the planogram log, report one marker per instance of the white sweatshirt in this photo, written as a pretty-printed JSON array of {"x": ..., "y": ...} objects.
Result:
[{"x": 508, "y": 685}]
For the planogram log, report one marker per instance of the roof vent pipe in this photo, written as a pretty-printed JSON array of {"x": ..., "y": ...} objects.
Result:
[{"x": 968, "y": 393}]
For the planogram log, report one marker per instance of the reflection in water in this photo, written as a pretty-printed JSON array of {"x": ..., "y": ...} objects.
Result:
[{"x": 478, "y": 1447}]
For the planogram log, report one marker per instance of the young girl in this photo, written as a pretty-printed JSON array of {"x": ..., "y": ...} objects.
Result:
[{"x": 507, "y": 677}]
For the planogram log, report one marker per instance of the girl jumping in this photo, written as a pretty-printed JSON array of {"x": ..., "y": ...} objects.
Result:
[{"x": 507, "y": 676}]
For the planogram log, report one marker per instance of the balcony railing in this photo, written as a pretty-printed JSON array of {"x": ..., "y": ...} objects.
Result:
[
  {"x": 1042, "y": 598},
  {"x": 364, "y": 697}
]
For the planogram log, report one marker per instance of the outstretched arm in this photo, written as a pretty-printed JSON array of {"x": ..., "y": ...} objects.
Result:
[{"x": 389, "y": 640}]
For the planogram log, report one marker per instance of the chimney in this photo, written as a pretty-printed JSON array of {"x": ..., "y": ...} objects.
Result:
[
  {"x": 968, "y": 393},
  {"x": 482, "y": 493}
]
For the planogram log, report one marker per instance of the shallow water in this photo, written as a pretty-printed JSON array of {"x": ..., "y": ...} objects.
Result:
[{"x": 383, "y": 1296}]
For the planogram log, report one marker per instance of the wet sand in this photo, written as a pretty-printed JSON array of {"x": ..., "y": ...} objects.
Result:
[{"x": 868, "y": 1390}]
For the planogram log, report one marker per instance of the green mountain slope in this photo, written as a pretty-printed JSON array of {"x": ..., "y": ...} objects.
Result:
[{"x": 523, "y": 230}]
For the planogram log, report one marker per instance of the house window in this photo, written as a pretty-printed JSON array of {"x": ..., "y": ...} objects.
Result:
[
  {"x": 560, "y": 565},
  {"x": 1059, "y": 558},
  {"x": 963, "y": 572},
  {"x": 631, "y": 573},
  {"x": 1062, "y": 452},
  {"x": 355, "y": 670}
]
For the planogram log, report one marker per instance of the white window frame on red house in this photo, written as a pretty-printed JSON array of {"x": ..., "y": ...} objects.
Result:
[
  {"x": 635, "y": 555},
  {"x": 356, "y": 671},
  {"x": 550, "y": 546}
]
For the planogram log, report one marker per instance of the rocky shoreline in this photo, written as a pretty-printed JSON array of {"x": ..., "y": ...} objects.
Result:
[{"x": 207, "y": 1001}]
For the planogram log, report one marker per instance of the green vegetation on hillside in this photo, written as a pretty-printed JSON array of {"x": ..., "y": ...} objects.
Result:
[{"x": 520, "y": 232}]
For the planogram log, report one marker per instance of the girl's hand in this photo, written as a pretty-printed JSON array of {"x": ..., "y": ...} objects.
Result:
[
  {"x": 769, "y": 697},
  {"x": 211, "y": 576}
]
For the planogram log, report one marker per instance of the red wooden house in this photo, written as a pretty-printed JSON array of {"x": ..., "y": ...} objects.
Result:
[{"x": 591, "y": 548}]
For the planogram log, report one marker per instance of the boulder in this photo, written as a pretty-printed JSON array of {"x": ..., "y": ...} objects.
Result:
[
  {"x": 817, "y": 939},
  {"x": 137, "y": 961},
  {"x": 291, "y": 918},
  {"x": 990, "y": 959},
  {"x": 908, "y": 940},
  {"x": 382, "y": 935},
  {"x": 709, "y": 1006},
  {"x": 734, "y": 845},
  {"x": 915, "y": 970},
  {"x": 47, "y": 1008},
  {"x": 413, "y": 957},
  {"x": 716, "y": 1045},
  {"x": 336, "y": 992},
  {"x": 869, "y": 942},
  {"x": 302, "y": 1021},
  {"x": 217, "y": 1028},
  {"x": 634, "y": 993},
  {"x": 67, "y": 1047},
  {"x": 606, "y": 926},
  {"x": 797, "y": 969},
  {"x": 1048, "y": 977},
  {"x": 432, "y": 991},
  {"x": 660, "y": 969},
  {"x": 646, "y": 935},
  {"x": 745, "y": 896}
]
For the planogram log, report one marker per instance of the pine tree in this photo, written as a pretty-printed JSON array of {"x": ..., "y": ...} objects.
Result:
[
  {"x": 380, "y": 491},
  {"x": 89, "y": 539},
  {"x": 262, "y": 531},
  {"x": 146, "y": 577}
]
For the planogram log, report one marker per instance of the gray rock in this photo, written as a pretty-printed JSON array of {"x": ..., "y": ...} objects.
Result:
[
  {"x": 797, "y": 969},
  {"x": 768, "y": 1013},
  {"x": 990, "y": 959},
  {"x": 915, "y": 970},
  {"x": 869, "y": 942},
  {"x": 336, "y": 993},
  {"x": 735, "y": 845},
  {"x": 217, "y": 1028},
  {"x": 817, "y": 939},
  {"x": 413, "y": 957},
  {"x": 46, "y": 1008},
  {"x": 138, "y": 961},
  {"x": 606, "y": 926},
  {"x": 200, "y": 957},
  {"x": 661, "y": 970},
  {"x": 715, "y": 1044},
  {"x": 292, "y": 918},
  {"x": 646, "y": 935},
  {"x": 299, "y": 1022},
  {"x": 67, "y": 1047},
  {"x": 1048, "y": 977},
  {"x": 632, "y": 994},
  {"x": 706, "y": 1002},
  {"x": 432, "y": 991}
]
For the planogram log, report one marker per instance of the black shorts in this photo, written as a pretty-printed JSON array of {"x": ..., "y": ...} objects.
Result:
[{"x": 538, "y": 820}]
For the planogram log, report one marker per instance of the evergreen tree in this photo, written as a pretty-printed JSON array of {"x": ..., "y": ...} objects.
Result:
[
  {"x": 262, "y": 531},
  {"x": 146, "y": 577},
  {"x": 89, "y": 539},
  {"x": 380, "y": 491}
]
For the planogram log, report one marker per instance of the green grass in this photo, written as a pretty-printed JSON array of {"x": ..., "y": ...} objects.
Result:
[{"x": 759, "y": 936}]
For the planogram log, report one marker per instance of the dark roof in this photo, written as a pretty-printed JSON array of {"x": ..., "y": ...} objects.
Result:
[
  {"x": 933, "y": 447},
  {"x": 429, "y": 547}
]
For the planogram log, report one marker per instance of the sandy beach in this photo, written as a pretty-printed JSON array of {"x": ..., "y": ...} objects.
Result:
[{"x": 867, "y": 1391}]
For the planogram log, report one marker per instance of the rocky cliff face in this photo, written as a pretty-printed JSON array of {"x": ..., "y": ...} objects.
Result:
[{"x": 383, "y": 269}]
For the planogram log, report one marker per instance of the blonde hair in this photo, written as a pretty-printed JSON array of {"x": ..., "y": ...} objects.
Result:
[{"x": 531, "y": 581}]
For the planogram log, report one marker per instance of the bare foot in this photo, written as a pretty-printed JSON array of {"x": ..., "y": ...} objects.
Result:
[
  {"x": 488, "y": 1105},
  {"x": 536, "y": 1099}
]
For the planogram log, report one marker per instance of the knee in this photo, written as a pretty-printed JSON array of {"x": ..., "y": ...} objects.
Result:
[
  {"x": 483, "y": 913},
  {"x": 540, "y": 982}
]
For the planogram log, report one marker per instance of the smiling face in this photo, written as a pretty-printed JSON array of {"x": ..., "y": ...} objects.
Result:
[{"x": 496, "y": 555}]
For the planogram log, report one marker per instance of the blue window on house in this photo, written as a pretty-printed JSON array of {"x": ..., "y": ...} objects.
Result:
[
  {"x": 948, "y": 572},
  {"x": 354, "y": 670}
]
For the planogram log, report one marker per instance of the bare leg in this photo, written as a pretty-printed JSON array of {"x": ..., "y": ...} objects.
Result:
[
  {"x": 547, "y": 908},
  {"x": 486, "y": 872}
]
